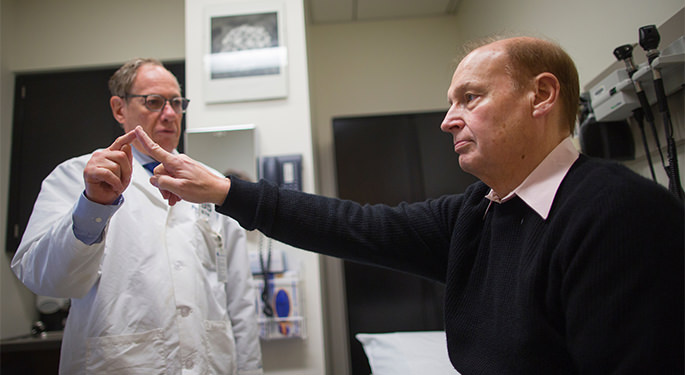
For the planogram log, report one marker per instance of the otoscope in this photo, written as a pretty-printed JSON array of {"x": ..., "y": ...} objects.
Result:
[
  {"x": 649, "y": 41},
  {"x": 625, "y": 53}
]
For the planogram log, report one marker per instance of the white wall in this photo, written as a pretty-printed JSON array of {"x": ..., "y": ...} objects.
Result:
[
  {"x": 588, "y": 30},
  {"x": 78, "y": 33}
]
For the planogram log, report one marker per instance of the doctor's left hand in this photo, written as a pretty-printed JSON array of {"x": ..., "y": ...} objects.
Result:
[{"x": 108, "y": 172}]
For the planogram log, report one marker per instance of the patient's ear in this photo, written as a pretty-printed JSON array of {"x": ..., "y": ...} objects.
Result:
[{"x": 546, "y": 94}]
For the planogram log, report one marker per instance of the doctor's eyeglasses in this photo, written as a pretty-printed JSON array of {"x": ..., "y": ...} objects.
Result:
[{"x": 156, "y": 103}]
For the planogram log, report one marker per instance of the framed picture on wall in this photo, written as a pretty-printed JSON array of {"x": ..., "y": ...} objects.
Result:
[{"x": 245, "y": 51}]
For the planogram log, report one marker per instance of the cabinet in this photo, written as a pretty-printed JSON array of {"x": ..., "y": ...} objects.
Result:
[{"x": 31, "y": 355}]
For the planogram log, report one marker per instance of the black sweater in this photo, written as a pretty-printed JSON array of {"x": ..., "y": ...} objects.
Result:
[{"x": 595, "y": 288}]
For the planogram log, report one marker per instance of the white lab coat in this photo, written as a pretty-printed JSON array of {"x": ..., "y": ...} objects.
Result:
[{"x": 146, "y": 299}]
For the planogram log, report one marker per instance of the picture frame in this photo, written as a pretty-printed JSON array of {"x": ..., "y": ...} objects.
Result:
[{"x": 245, "y": 52}]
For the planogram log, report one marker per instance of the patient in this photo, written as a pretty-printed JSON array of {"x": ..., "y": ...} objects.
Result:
[{"x": 554, "y": 263}]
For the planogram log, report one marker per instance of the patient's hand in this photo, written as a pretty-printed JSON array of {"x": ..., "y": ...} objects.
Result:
[{"x": 180, "y": 177}]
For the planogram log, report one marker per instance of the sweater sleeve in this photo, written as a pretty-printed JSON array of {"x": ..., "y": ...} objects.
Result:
[{"x": 409, "y": 237}]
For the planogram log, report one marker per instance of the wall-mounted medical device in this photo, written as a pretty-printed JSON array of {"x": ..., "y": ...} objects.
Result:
[
  {"x": 284, "y": 299},
  {"x": 631, "y": 92},
  {"x": 614, "y": 98},
  {"x": 278, "y": 293}
]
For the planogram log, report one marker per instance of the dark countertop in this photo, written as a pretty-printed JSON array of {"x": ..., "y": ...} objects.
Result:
[{"x": 46, "y": 341}]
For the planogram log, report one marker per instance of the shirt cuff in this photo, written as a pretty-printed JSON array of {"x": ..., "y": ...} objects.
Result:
[{"x": 90, "y": 218}]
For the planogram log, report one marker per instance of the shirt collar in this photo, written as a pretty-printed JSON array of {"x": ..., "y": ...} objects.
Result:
[{"x": 540, "y": 187}]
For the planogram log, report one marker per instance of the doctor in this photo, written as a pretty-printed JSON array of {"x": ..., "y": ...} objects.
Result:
[{"x": 154, "y": 289}]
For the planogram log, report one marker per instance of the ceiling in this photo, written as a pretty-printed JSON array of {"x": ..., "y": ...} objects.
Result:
[{"x": 341, "y": 11}]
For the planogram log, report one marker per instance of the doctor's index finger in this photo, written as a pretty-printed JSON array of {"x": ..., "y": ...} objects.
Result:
[
  {"x": 152, "y": 148},
  {"x": 123, "y": 140}
]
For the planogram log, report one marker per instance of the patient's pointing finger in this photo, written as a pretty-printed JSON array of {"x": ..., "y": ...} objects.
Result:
[{"x": 152, "y": 148}]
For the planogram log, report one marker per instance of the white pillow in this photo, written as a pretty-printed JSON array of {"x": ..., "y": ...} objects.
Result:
[{"x": 407, "y": 353}]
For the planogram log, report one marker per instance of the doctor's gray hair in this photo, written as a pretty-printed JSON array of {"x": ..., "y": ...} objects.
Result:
[{"x": 121, "y": 81}]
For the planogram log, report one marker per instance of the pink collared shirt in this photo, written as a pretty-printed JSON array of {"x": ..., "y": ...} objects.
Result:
[{"x": 541, "y": 185}]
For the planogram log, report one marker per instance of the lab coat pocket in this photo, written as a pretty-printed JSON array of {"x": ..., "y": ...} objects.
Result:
[
  {"x": 220, "y": 347},
  {"x": 208, "y": 243},
  {"x": 140, "y": 353}
]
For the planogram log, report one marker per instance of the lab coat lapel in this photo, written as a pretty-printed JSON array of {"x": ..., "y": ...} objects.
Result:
[{"x": 141, "y": 179}]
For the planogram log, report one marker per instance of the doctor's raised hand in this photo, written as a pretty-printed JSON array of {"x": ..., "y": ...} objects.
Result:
[
  {"x": 108, "y": 172},
  {"x": 179, "y": 177}
]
